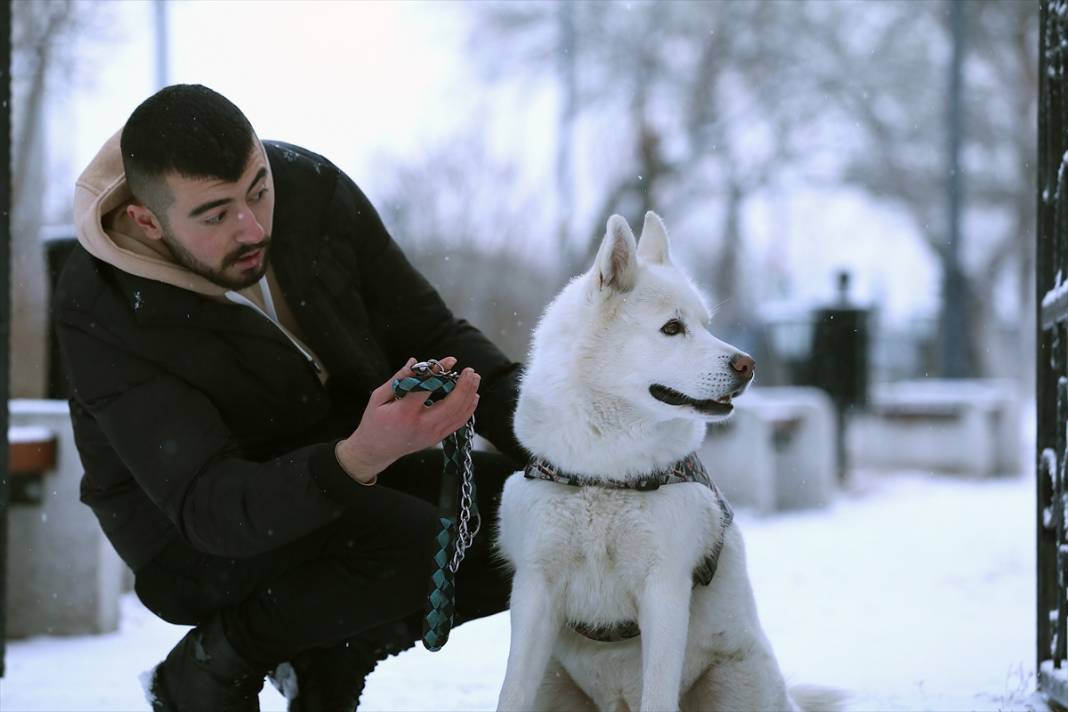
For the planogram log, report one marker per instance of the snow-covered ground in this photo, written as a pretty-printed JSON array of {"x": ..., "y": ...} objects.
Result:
[{"x": 912, "y": 592}]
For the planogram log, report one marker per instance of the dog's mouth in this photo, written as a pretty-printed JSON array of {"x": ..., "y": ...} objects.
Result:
[{"x": 712, "y": 406}]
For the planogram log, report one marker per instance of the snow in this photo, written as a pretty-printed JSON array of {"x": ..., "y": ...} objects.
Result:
[
  {"x": 22, "y": 406},
  {"x": 935, "y": 392},
  {"x": 28, "y": 433},
  {"x": 910, "y": 592},
  {"x": 145, "y": 678},
  {"x": 1060, "y": 674},
  {"x": 1054, "y": 295}
]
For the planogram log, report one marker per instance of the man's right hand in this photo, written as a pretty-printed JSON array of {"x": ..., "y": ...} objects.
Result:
[{"x": 391, "y": 428}]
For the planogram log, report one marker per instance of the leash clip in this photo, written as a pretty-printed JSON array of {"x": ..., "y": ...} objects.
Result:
[
  {"x": 430, "y": 367},
  {"x": 428, "y": 376}
]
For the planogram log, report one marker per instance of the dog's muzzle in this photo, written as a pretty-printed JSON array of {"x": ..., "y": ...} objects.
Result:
[{"x": 710, "y": 406}]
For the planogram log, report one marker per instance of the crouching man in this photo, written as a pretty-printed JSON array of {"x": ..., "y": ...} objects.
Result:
[{"x": 230, "y": 327}]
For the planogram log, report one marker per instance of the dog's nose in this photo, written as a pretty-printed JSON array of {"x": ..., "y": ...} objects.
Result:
[{"x": 744, "y": 365}]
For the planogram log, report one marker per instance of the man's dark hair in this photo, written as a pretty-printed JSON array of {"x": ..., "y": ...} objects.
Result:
[{"x": 186, "y": 129}]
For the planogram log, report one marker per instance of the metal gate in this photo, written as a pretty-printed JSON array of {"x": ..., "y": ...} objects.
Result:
[
  {"x": 1052, "y": 352},
  {"x": 5, "y": 299}
]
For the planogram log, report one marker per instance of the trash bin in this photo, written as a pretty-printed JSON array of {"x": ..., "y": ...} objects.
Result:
[{"x": 839, "y": 361}]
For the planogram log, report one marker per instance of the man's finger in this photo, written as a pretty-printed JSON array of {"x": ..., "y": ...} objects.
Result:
[
  {"x": 417, "y": 399},
  {"x": 384, "y": 393},
  {"x": 406, "y": 370},
  {"x": 462, "y": 415},
  {"x": 458, "y": 402},
  {"x": 466, "y": 410}
]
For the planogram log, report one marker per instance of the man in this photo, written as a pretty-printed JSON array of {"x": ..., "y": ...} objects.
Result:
[{"x": 230, "y": 332}]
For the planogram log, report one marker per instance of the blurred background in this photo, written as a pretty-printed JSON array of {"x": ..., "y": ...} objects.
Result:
[
  {"x": 781, "y": 142},
  {"x": 851, "y": 183}
]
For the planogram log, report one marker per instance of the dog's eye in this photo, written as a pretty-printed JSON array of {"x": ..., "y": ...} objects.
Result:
[{"x": 672, "y": 328}]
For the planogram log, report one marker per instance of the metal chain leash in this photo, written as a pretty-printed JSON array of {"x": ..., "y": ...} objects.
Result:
[
  {"x": 465, "y": 535},
  {"x": 457, "y": 505}
]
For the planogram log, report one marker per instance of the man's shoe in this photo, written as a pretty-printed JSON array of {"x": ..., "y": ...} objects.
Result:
[
  {"x": 332, "y": 679},
  {"x": 204, "y": 672}
]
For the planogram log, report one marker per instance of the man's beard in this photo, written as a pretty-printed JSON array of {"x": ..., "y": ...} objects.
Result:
[{"x": 218, "y": 276}]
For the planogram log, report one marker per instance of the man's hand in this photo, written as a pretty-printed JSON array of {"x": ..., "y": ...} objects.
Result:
[{"x": 391, "y": 428}]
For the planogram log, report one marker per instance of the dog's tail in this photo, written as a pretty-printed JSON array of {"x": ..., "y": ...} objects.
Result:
[{"x": 814, "y": 698}]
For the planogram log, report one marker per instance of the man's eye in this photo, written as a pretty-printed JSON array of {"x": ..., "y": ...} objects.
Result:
[
  {"x": 215, "y": 219},
  {"x": 672, "y": 328},
  {"x": 259, "y": 195}
]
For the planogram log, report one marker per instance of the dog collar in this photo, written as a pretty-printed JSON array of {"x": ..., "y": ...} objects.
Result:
[{"x": 688, "y": 469}]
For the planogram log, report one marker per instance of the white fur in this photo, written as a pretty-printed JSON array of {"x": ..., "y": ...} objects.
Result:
[{"x": 599, "y": 556}]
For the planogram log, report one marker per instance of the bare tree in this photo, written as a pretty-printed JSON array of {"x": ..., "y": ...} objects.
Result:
[
  {"x": 43, "y": 35},
  {"x": 893, "y": 98},
  {"x": 461, "y": 219},
  {"x": 699, "y": 98},
  {"x": 710, "y": 102}
]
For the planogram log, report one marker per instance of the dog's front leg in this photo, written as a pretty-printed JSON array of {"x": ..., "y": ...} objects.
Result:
[
  {"x": 536, "y": 620},
  {"x": 664, "y": 617}
]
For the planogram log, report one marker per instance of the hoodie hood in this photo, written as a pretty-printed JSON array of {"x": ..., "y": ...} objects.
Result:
[{"x": 107, "y": 232}]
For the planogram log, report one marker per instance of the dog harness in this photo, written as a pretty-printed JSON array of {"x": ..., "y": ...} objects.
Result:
[{"x": 688, "y": 469}]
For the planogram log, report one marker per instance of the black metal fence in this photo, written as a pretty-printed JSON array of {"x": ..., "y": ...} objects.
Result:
[
  {"x": 5, "y": 253},
  {"x": 1052, "y": 353}
]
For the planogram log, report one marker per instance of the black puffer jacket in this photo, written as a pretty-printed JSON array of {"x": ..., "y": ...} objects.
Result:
[{"x": 199, "y": 419}]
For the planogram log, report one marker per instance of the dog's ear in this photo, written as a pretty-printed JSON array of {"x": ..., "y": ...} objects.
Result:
[
  {"x": 616, "y": 263},
  {"x": 653, "y": 244}
]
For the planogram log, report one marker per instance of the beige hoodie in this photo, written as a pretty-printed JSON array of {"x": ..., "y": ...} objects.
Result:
[{"x": 107, "y": 232}]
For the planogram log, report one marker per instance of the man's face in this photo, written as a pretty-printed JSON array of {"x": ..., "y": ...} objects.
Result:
[{"x": 220, "y": 230}]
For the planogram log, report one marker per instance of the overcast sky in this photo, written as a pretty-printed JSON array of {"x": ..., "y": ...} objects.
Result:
[{"x": 346, "y": 79}]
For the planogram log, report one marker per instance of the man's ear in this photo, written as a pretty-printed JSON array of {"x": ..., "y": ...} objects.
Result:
[{"x": 146, "y": 220}]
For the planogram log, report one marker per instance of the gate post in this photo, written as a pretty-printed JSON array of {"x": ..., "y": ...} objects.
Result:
[
  {"x": 5, "y": 300},
  {"x": 1052, "y": 352}
]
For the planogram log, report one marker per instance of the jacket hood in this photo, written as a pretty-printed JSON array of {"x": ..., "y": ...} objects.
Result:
[{"x": 107, "y": 232}]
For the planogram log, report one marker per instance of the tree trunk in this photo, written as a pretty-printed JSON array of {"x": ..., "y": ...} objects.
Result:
[
  {"x": 726, "y": 284},
  {"x": 29, "y": 274}
]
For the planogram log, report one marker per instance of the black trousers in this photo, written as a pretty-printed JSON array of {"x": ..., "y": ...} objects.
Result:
[{"x": 364, "y": 573}]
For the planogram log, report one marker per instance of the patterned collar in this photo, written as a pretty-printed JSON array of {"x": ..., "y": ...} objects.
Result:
[{"x": 688, "y": 469}]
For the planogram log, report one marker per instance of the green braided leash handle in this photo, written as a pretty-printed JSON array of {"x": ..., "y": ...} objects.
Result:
[
  {"x": 436, "y": 386},
  {"x": 441, "y": 593},
  {"x": 432, "y": 379}
]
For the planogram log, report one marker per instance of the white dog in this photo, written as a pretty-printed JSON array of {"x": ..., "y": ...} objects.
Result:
[{"x": 626, "y": 594}]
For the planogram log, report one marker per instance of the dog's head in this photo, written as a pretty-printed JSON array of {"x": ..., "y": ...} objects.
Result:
[{"x": 651, "y": 342}]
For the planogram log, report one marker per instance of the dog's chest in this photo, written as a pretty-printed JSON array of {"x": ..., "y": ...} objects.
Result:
[{"x": 599, "y": 545}]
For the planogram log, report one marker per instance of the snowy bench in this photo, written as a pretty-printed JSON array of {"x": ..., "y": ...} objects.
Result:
[
  {"x": 776, "y": 452},
  {"x": 738, "y": 455},
  {"x": 63, "y": 577},
  {"x": 963, "y": 426},
  {"x": 31, "y": 455}
]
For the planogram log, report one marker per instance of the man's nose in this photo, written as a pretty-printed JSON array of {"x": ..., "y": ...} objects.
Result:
[
  {"x": 744, "y": 365},
  {"x": 249, "y": 229}
]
